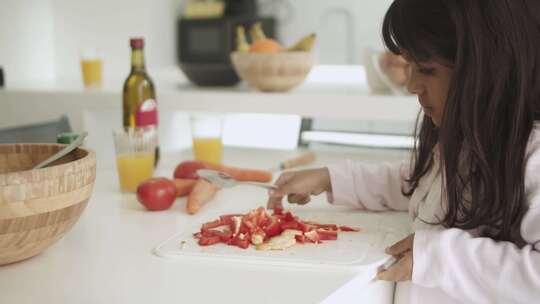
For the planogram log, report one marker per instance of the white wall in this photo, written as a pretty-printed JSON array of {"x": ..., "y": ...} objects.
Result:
[
  {"x": 26, "y": 40},
  {"x": 344, "y": 27},
  {"x": 41, "y": 39},
  {"x": 108, "y": 25}
]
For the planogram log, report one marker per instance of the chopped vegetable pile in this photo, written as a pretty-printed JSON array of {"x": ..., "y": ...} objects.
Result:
[{"x": 275, "y": 231}]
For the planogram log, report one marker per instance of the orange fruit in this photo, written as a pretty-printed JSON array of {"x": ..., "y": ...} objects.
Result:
[{"x": 265, "y": 45}]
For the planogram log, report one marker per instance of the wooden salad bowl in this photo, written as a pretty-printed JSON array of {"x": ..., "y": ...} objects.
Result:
[{"x": 37, "y": 207}]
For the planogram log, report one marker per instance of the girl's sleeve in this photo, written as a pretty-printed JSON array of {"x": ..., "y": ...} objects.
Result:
[
  {"x": 371, "y": 187},
  {"x": 480, "y": 270}
]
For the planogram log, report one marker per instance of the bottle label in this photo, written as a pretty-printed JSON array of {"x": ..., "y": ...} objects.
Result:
[{"x": 147, "y": 114}]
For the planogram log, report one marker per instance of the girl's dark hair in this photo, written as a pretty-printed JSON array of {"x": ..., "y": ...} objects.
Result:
[{"x": 493, "y": 48}]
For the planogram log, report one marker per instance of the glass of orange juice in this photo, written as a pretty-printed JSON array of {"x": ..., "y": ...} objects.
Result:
[
  {"x": 91, "y": 68},
  {"x": 135, "y": 152},
  {"x": 206, "y": 131}
]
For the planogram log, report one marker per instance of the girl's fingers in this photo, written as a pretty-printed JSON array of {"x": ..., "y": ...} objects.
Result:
[
  {"x": 281, "y": 184},
  {"x": 399, "y": 272},
  {"x": 274, "y": 202},
  {"x": 401, "y": 247},
  {"x": 300, "y": 199}
]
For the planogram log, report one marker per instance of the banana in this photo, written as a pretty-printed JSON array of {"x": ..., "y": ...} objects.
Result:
[
  {"x": 256, "y": 32},
  {"x": 241, "y": 43},
  {"x": 304, "y": 45}
]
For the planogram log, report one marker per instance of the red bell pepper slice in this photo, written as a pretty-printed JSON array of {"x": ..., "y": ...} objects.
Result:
[
  {"x": 273, "y": 229},
  {"x": 300, "y": 238},
  {"x": 313, "y": 236},
  {"x": 238, "y": 242},
  {"x": 210, "y": 225},
  {"x": 227, "y": 219},
  {"x": 348, "y": 229},
  {"x": 210, "y": 240},
  {"x": 327, "y": 234}
]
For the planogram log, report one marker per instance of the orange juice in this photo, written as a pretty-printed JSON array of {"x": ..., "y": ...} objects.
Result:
[
  {"x": 134, "y": 168},
  {"x": 91, "y": 72},
  {"x": 208, "y": 149}
]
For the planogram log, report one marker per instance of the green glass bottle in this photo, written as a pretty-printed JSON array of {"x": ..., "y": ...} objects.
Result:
[{"x": 139, "y": 96}]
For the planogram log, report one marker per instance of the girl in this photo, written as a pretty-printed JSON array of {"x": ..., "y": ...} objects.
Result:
[{"x": 472, "y": 187}]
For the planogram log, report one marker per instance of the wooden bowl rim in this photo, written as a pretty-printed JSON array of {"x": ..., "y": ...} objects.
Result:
[{"x": 30, "y": 176}]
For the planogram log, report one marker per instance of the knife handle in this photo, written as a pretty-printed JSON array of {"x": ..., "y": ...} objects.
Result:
[{"x": 301, "y": 160}]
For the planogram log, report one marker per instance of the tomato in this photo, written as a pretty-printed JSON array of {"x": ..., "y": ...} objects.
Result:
[
  {"x": 188, "y": 169},
  {"x": 156, "y": 193}
]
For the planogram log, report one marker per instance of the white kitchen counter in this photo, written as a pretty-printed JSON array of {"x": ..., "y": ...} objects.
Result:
[
  {"x": 328, "y": 92},
  {"x": 107, "y": 256}
]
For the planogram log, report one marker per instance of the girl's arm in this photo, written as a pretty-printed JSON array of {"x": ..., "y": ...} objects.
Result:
[
  {"x": 481, "y": 270},
  {"x": 372, "y": 187}
]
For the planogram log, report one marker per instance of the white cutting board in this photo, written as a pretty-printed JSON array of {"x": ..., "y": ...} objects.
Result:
[{"x": 352, "y": 250}]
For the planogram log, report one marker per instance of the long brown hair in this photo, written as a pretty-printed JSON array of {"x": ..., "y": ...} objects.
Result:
[{"x": 493, "y": 101}]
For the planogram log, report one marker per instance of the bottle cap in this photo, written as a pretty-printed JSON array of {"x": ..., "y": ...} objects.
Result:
[
  {"x": 136, "y": 43},
  {"x": 66, "y": 138}
]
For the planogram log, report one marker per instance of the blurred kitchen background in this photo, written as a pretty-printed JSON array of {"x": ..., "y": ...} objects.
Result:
[{"x": 41, "y": 42}]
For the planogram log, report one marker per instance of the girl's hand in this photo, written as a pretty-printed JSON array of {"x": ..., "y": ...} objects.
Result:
[
  {"x": 298, "y": 186},
  {"x": 402, "y": 269}
]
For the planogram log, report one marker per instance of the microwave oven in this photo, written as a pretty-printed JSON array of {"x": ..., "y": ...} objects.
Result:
[{"x": 204, "y": 47}]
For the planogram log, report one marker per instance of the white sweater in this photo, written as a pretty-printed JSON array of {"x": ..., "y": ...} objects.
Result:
[{"x": 450, "y": 265}]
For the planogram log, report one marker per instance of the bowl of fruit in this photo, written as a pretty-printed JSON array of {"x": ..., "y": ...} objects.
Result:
[{"x": 268, "y": 66}]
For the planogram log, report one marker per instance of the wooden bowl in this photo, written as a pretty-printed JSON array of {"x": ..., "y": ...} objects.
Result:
[
  {"x": 37, "y": 207},
  {"x": 273, "y": 72}
]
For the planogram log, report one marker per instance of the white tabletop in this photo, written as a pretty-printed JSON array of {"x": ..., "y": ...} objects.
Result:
[{"x": 107, "y": 256}]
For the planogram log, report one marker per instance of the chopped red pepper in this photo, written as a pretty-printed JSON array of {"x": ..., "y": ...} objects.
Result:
[
  {"x": 210, "y": 225},
  {"x": 273, "y": 229},
  {"x": 313, "y": 236},
  {"x": 278, "y": 211},
  {"x": 327, "y": 235},
  {"x": 348, "y": 229},
  {"x": 242, "y": 229},
  {"x": 210, "y": 240},
  {"x": 227, "y": 219},
  {"x": 300, "y": 238},
  {"x": 238, "y": 242}
]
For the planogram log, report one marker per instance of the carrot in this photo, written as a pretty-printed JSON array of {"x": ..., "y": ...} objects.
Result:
[
  {"x": 188, "y": 170},
  {"x": 183, "y": 186},
  {"x": 242, "y": 174},
  {"x": 201, "y": 194}
]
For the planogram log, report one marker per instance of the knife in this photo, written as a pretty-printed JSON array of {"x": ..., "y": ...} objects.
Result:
[{"x": 301, "y": 160}]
